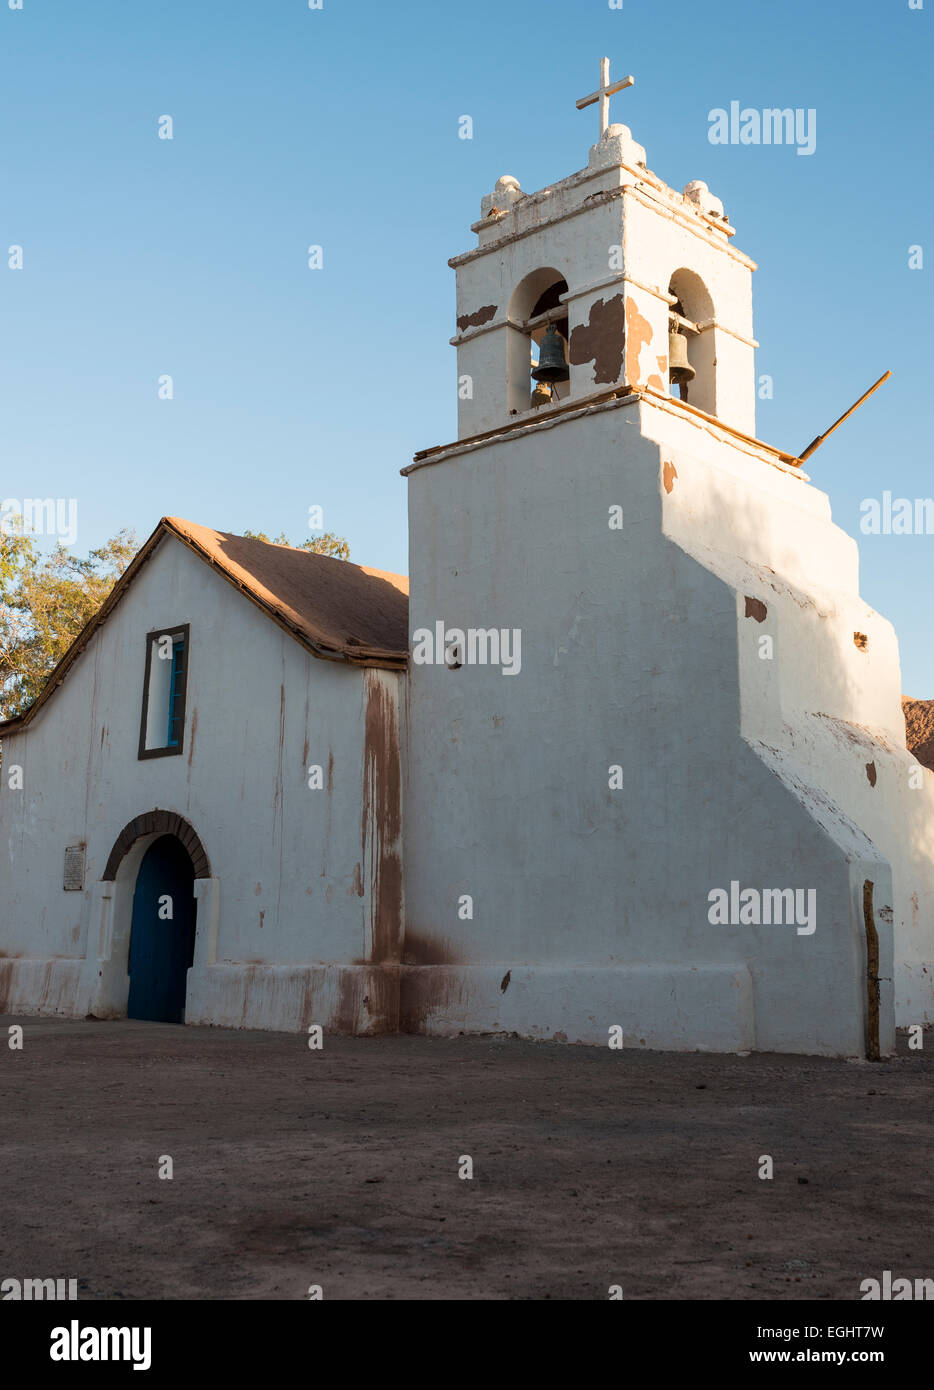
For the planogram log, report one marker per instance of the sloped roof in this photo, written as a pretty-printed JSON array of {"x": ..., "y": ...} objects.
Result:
[{"x": 338, "y": 611}]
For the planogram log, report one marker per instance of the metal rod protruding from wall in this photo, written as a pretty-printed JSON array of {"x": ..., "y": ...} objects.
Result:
[{"x": 816, "y": 443}]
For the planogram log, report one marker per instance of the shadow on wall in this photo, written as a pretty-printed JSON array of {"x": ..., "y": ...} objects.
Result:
[
  {"x": 811, "y": 707},
  {"x": 766, "y": 582}
]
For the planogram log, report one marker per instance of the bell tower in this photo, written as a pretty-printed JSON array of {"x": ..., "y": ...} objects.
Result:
[
  {"x": 613, "y": 260},
  {"x": 642, "y": 678}
]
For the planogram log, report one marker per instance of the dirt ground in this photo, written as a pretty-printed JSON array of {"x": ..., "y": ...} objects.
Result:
[{"x": 339, "y": 1167}]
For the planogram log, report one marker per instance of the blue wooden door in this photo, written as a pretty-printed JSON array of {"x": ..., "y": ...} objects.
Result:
[{"x": 162, "y": 938}]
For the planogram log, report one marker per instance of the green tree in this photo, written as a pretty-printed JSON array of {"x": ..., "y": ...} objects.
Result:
[
  {"x": 45, "y": 601},
  {"x": 328, "y": 544}
]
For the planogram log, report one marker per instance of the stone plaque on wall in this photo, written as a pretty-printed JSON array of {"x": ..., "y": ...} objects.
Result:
[{"x": 74, "y": 869}]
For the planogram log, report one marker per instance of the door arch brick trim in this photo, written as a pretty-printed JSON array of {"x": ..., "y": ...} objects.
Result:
[{"x": 159, "y": 823}]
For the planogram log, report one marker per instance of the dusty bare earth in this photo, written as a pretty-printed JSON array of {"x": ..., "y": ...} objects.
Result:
[{"x": 339, "y": 1167}]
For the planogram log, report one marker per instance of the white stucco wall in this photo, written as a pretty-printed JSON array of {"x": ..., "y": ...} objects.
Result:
[
  {"x": 295, "y": 873},
  {"x": 590, "y": 906},
  {"x": 825, "y": 710},
  {"x": 640, "y": 648}
]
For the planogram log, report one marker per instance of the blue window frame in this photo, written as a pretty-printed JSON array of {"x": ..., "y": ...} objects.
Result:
[
  {"x": 165, "y": 689},
  {"x": 176, "y": 694}
]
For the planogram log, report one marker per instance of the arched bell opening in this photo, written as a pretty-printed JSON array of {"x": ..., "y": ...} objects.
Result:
[
  {"x": 538, "y": 371},
  {"x": 690, "y": 340}
]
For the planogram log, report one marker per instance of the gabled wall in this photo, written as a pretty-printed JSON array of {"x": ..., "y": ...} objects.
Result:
[{"x": 298, "y": 877}]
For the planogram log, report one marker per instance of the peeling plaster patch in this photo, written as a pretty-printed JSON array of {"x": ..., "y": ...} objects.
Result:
[
  {"x": 804, "y": 601},
  {"x": 871, "y": 773},
  {"x": 669, "y": 475},
  {"x": 755, "y": 608},
  {"x": 504, "y": 983},
  {"x": 662, "y": 364},
  {"x": 856, "y": 734},
  {"x": 861, "y": 641},
  {"x": 357, "y": 885},
  {"x": 638, "y": 335},
  {"x": 601, "y": 340},
  {"x": 477, "y": 318},
  {"x": 572, "y": 625}
]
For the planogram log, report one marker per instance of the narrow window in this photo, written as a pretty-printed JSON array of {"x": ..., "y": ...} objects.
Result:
[
  {"x": 162, "y": 728},
  {"x": 176, "y": 694}
]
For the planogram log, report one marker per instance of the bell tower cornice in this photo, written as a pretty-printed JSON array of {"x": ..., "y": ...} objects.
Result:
[{"x": 548, "y": 207}]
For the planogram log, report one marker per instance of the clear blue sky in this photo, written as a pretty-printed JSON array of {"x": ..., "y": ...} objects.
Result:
[{"x": 339, "y": 127}]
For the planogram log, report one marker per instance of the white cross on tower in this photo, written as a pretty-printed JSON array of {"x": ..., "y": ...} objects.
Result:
[{"x": 603, "y": 94}]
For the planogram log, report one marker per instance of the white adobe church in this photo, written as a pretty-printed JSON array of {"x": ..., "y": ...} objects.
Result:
[{"x": 626, "y": 752}]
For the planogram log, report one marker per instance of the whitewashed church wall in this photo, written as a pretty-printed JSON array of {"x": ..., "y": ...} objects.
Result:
[
  {"x": 295, "y": 882},
  {"x": 594, "y": 902},
  {"x": 829, "y": 698}
]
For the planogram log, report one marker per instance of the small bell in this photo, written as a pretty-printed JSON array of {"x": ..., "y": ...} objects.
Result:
[
  {"x": 552, "y": 357},
  {"x": 541, "y": 395},
  {"x": 680, "y": 371}
]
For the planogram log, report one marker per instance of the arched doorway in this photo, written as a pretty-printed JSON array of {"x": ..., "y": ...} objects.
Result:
[{"x": 162, "y": 934}]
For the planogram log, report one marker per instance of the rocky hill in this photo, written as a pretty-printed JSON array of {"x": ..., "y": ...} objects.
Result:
[{"x": 919, "y": 728}]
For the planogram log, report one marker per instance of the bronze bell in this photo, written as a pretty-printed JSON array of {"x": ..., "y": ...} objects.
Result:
[
  {"x": 680, "y": 371},
  {"x": 552, "y": 357}
]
